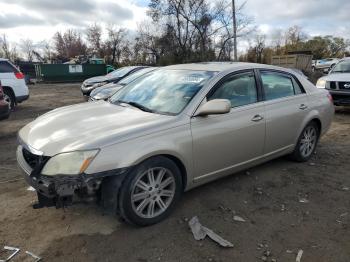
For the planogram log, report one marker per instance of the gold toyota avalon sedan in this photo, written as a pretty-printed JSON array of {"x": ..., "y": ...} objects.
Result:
[{"x": 169, "y": 131}]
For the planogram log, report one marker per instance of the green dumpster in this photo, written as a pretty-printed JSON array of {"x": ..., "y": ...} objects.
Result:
[{"x": 68, "y": 72}]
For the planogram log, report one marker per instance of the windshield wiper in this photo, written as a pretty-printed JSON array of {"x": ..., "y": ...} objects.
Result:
[{"x": 137, "y": 105}]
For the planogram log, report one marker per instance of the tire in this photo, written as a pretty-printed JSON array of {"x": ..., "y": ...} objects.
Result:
[
  {"x": 307, "y": 143},
  {"x": 142, "y": 199},
  {"x": 9, "y": 98}
]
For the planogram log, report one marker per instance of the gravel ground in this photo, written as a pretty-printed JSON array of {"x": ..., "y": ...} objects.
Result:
[{"x": 267, "y": 197}]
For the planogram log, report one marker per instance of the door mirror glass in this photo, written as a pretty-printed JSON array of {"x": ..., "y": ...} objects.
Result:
[{"x": 214, "y": 107}]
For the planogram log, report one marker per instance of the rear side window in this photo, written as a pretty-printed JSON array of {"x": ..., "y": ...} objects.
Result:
[
  {"x": 279, "y": 85},
  {"x": 6, "y": 67},
  {"x": 297, "y": 88},
  {"x": 239, "y": 89}
]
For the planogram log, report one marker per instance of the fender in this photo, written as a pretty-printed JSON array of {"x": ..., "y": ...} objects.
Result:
[
  {"x": 311, "y": 115},
  {"x": 132, "y": 152}
]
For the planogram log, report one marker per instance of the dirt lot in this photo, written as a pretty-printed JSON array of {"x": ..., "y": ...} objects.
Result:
[{"x": 266, "y": 196}]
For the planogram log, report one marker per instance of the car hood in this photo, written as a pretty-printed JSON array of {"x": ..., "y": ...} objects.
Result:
[
  {"x": 96, "y": 79},
  {"x": 343, "y": 77},
  {"x": 88, "y": 126},
  {"x": 108, "y": 87}
]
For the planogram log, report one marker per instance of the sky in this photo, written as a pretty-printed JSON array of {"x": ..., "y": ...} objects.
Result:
[{"x": 40, "y": 19}]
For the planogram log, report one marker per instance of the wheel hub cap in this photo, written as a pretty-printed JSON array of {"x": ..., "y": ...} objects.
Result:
[
  {"x": 308, "y": 141},
  {"x": 153, "y": 192}
]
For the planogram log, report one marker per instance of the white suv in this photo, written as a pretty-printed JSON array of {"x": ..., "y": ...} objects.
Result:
[{"x": 13, "y": 83}]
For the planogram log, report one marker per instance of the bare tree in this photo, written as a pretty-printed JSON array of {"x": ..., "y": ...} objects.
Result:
[
  {"x": 259, "y": 47},
  {"x": 194, "y": 26},
  {"x": 46, "y": 50},
  {"x": 93, "y": 35},
  {"x": 294, "y": 36},
  {"x": 69, "y": 45},
  {"x": 5, "y": 47},
  {"x": 244, "y": 27},
  {"x": 28, "y": 48},
  {"x": 277, "y": 39},
  {"x": 116, "y": 42},
  {"x": 14, "y": 56},
  {"x": 149, "y": 43}
]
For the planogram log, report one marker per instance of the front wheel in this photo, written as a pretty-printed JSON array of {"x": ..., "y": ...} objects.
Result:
[
  {"x": 150, "y": 192},
  {"x": 307, "y": 143}
]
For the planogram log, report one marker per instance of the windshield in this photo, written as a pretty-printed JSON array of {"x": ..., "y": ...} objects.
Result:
[
  {"x": 163, "y": 91},
  {"x": 135, "y": 75},
  {"x": 342, "y": 67},
  {"x": 120, "y": 72}
]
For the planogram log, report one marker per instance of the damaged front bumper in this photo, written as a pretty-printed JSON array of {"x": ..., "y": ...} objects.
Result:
[{"x": 61, "y": 190}]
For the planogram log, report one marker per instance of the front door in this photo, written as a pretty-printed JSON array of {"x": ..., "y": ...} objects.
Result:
[{"x": 223, "y": 142}]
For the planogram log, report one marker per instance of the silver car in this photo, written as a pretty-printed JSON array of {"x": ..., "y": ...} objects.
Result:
[{"x": 169, "y": 131}]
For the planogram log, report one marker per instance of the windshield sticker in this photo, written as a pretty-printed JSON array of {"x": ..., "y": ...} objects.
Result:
[{"x": 191, "y": 79}]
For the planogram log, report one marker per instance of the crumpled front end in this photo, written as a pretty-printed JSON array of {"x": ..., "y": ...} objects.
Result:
[{"x": 60, "y": 190}]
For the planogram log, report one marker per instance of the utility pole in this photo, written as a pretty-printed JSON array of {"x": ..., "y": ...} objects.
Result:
[{"x": 234, "y": 31}]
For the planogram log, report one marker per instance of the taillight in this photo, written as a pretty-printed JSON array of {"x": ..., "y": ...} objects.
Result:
[{"x": 19, "y": 75}]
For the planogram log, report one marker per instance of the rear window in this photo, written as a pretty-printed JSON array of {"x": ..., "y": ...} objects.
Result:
[{"x": 6, "y": 67}]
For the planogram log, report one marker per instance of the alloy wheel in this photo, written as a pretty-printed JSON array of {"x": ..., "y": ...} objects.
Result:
[
  {"x": 308, "y": 141},
  {"x": 153, "y": 192}
]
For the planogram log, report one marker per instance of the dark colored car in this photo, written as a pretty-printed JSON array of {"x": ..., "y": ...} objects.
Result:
[
  {"x": 108, "y": 90},
  {"x": 113, "y": 77},
  {"x": 4, "y": 106}
]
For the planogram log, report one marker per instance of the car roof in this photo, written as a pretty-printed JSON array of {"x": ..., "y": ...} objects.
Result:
[
  {"x": 223, "y": 66},
  {"x": 3, "y": 59}
]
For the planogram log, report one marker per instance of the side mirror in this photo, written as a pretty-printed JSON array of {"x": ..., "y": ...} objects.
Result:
[{"x": 214, "y": 107}]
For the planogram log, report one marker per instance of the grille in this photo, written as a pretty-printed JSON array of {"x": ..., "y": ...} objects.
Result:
[
  {"x": 34, "y": 161},
  {"x": 344, "y": 85},
  {"x": 332, "y": 85}
]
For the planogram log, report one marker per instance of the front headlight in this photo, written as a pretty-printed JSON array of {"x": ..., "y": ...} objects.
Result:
[
  {"x": 71, "y": 163},
  {"x": 321, "y": 83}
]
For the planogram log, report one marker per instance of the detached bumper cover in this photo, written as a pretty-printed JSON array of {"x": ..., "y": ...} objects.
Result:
[{"x": 59, "y": 190}]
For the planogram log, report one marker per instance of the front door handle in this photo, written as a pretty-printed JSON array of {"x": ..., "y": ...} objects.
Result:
[
  {"x": 302, "y": 106},
  {"x": 257, "y": 118}
]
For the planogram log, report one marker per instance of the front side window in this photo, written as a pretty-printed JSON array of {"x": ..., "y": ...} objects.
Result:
[
  {"x": 239, "y": 89},
  {"x": 164, "y": 91},
  {"x": 277, "y": 85}
]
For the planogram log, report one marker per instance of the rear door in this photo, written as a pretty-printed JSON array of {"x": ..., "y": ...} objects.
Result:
[
  {"x": 286, "y": 106},
  {"x": 223, "y": 142}
]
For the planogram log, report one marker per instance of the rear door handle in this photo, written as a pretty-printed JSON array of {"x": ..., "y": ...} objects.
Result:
[
  {"x": 302, "y": 106},
  {"x": 257, "y": 118}
]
